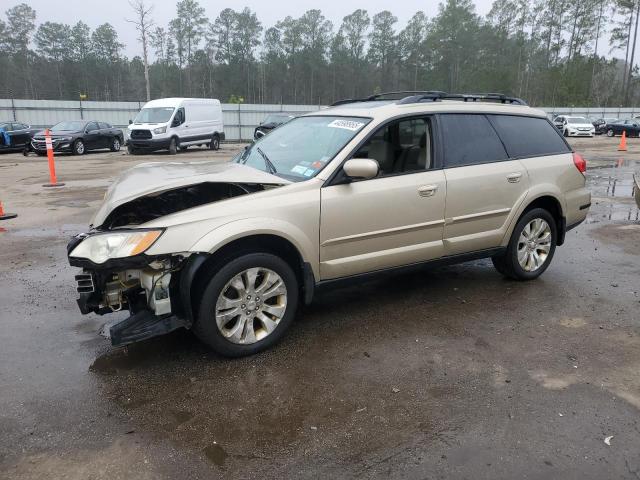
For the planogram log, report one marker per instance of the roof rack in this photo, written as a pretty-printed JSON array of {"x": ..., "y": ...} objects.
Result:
[
  {"x": 408, "y": 97},
  {"x": 387, "y": 96}
]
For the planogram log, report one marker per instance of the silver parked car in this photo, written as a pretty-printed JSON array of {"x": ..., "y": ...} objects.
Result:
[{"x": 231, "y": 250}]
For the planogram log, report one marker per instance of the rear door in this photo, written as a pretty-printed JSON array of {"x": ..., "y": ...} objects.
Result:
[
  {"x": 483, "y": 184},
  {"x": 106, "y": 134}
]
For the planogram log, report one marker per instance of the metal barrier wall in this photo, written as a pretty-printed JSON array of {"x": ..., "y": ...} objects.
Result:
[{"x": 239, "y": 119}]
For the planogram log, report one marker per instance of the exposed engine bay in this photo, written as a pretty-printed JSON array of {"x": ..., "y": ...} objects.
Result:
[{"x": 156, "y": 205}]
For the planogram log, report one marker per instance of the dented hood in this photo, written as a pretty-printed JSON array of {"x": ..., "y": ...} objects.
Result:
[{"x": 151, "y": 178}]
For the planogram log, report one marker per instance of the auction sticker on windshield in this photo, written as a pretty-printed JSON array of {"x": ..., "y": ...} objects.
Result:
[{"x": 347, "y": 125}]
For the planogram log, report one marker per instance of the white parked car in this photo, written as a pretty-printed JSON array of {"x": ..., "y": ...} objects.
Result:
[
  {"x": 172, "y": 123},
  {"x": 574, "y": 126}
]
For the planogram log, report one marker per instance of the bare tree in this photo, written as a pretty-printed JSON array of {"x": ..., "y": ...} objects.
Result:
[{"x": 143, "y": 23}]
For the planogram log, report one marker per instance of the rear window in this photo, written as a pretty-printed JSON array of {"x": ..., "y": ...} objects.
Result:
[
  {"x": 528, "y": 136},
  {"x": 469, "y": 140}
]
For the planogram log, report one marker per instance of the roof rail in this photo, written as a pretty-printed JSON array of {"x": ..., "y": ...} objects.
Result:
[
  {"x": 381, "y": 97},
  {"x": 408, "y": 97}
]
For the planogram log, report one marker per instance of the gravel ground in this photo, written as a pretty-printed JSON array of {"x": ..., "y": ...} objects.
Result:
[{"x": 446, "y": 373}]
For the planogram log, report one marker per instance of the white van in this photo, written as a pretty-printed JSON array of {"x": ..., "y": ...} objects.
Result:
[{"x": 172, "y": 123}]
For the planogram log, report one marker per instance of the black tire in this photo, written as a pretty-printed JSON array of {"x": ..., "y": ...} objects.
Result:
[
  {"x": 215, "y": 142},
  {"x": 566, "y": 133},
  {"x": 131, "y": 150},
  {"x": 205, "y": 326},
  {"x": 507, "y": 264},
  {"x": 611, "y": 133},
  {"x": 173, "y": 146},
  {"x": 115, "y": 144},
  {"x": 184, "y": 149},
  {"x": 41, "y": 154},
  {"x": 78, "y": 147}
]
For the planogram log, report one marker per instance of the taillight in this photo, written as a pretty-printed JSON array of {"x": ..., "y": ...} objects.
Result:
[{"x": 579, "y": 162}]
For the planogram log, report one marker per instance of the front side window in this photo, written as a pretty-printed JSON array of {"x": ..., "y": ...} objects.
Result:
[
  {"x": 179, "y": 118},
  {"x": 7, "y": 127},
  {"x": 299, "y": 149},
  {"x": 403, "y": 146},
  {"x": 92, "y": 127},
  {"x": 470, "y": 140},
  {"x": 154, "y": 115},
  {"x": 104, "y": 125},
  {"x": 528, "y": 136}
]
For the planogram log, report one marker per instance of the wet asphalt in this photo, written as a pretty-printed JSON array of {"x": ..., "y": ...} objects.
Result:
[{"x": 452, "y": 372}]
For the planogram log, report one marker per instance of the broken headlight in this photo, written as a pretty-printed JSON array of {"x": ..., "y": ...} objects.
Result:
[{"x": 102, "y": 247}]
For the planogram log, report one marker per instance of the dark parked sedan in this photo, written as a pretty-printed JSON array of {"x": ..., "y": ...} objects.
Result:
[
  {"x": 15, "y": 135},
  {"x": 78, "y": 137},
  {"x": 632, "y": 127},
  {"x": 270, "y": 123},
  {"x": 601, "y": 124}
]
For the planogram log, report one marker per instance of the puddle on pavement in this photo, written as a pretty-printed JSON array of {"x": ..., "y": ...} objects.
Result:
[
  {"x": 215, "y": 454},
  {"x": 611, "y": 186}
]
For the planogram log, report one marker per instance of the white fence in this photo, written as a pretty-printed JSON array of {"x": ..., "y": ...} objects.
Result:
[{"x": 239, "y": 120}]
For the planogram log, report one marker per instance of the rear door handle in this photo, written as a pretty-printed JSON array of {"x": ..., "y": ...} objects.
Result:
[
  {"x": 514, "y": 177},
  {"x": 427, "y": 190}
]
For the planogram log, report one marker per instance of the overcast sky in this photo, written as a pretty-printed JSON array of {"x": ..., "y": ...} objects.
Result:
[{"x": 96, "y": 12}]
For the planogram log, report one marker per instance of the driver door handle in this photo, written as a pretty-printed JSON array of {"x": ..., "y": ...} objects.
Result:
[{"x": 427, "y": 190}]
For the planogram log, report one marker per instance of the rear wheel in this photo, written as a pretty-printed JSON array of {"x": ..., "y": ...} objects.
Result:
[
  {"x": 531, "y": 247},
  {"x": 173, "y": 146},
  {"x": 115, "y": 144},
  {"x": 247, "y": 305},
  {"x": 610, "y": 133},
  {"x": 215, "y": 142}
]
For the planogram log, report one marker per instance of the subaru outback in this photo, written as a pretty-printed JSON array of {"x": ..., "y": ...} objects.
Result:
[{"x": 232, "y": 250}]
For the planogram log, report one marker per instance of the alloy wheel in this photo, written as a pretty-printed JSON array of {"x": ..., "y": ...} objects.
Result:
[
  {"x": 534, "y": 245},
  {"x": 251, "y": 305}
]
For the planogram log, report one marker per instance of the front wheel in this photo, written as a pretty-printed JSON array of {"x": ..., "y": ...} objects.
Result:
[
  {"x": 115, "y": 144},
  {"x": 247, "y": 305},
  {"x": 610, "y": 133},
  {"x": 566, "y": 133},
  {"x": 131, "y": 150},
  {"x": 78, "y": 147},
  {"x": 531, "y": 247}
]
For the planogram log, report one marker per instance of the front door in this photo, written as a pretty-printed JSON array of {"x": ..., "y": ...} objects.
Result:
[{"x": 392, "y": 220}]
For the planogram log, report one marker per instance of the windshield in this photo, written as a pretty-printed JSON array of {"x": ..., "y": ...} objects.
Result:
[
  {"x": 68, "y": 126},
  {"x": 577, "y": 120},
  {"x": 154, "y": 115},
  {"x": 302, "y": 147}
]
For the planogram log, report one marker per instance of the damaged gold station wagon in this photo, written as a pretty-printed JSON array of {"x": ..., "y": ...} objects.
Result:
[{"x": 396, "y": 180}]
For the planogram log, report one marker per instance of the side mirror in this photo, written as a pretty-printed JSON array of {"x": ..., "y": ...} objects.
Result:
[
  {"x": 361, "y": 168},
  {"x": 260, "y": 134},
  {"x": 130, "y": 121}
]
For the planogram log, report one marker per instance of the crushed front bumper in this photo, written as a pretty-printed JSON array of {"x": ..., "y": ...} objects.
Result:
[{"x": 155, "y": 290}]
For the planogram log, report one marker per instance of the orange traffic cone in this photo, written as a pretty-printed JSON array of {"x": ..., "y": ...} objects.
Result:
[
  {"x": 623, "y": 142},
  {"x": 6, "y": 216}
]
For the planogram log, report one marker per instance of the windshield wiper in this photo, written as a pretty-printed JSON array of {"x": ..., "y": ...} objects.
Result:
[{"x": 270, "y": 165}]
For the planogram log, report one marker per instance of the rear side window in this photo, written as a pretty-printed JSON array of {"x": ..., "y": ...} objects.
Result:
[
  {"x": 104, "y": 125},
  {"x": 469, "y": 140},
  {"x": 528, "y": 136}
]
